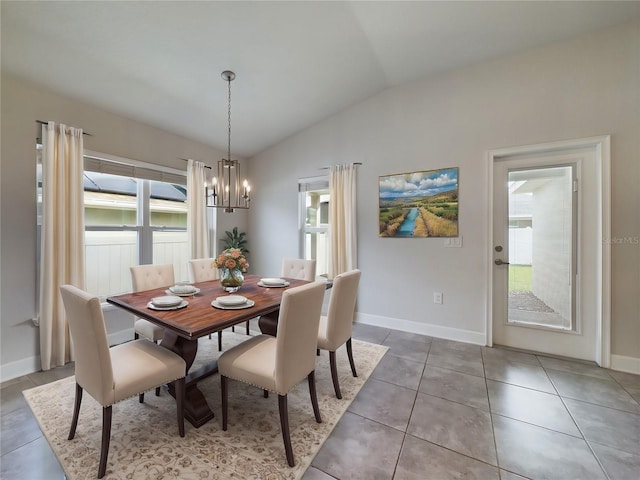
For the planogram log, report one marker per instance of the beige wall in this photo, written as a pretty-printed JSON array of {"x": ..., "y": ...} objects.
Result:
[
  {"x": 582, "y": 88},
  {"x": 22, "y": 105}
]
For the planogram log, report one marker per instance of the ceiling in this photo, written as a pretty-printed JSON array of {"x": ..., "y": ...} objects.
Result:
[{"x": 159, "y": 62}]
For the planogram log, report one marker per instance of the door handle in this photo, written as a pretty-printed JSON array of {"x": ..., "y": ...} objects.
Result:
[{"x": 500, "y": 262}]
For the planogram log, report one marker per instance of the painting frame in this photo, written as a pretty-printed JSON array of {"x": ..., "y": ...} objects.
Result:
[{"x": 419, "y": 204}]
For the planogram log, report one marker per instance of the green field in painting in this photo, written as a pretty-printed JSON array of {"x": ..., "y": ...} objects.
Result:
[{"x": 438, "y": 215}]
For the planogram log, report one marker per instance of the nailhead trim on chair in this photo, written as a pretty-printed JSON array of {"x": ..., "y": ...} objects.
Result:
[{"x": 257, "y": 386}]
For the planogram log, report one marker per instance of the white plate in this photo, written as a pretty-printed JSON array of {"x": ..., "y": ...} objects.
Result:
[
  {"x": 231, "y": 300},
  {"x": 247, "y": 304},
  {"x": 279, "y": 285},
  {"x": 183, "y": 289},
  {"x": 273, "y": 281},
  {"x": 182, "y": 304},
  {"x": 190, "y": 294},
  {"x": 167, "y": 301}
]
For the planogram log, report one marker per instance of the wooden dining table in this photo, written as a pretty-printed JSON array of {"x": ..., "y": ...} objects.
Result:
[{"x": 183, "y": 327}]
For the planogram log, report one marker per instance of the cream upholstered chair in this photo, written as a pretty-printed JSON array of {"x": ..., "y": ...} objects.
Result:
[
  {"x": 291, "y": 268},
  {"x": 147, "y": 277},
  {"x": 299, "y": 268},
  {"x": 279, "y": 363},
  {"x": 113, "y": 374},
  {"x": 335, "y": 328},
  {"x": 203, "y": 270}
]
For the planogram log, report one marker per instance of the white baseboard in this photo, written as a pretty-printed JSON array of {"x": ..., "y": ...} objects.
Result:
[
  {"x": 438, "y": 331},
  {"x": 625, "y": 364},
  {"x": 20, "y": 367},
  {"x": 29, "y": 365}
]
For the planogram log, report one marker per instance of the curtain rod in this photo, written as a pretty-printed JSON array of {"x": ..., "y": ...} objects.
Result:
[
  {"x": 187, "y": 159},
  {"x": 354, "y": 163},
  {"x": 47, "y": 123}
]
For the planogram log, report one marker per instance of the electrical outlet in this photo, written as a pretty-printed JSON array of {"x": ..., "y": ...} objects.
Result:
[{"x": 437, "y": 297}]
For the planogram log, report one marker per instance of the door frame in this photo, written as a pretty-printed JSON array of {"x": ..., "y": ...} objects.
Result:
[{"x": 601, "y": 148}]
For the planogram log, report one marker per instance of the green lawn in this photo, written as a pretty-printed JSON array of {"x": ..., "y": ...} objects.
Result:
[{"x": 519, "y": 278}]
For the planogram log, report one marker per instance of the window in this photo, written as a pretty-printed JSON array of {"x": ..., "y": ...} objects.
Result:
[
  {"x": 314, "y": 221},
  {"x": 133, "y": 215}
]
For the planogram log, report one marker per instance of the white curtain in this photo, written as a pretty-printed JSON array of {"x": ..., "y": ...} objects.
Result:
[
  {"x": 342, "y": 219},
  {"x": 62, "y": 244},
  {"x": 197, "y": 228}
]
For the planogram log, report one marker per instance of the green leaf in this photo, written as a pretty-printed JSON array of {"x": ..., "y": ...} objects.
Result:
[{"x": 235, "y": 239}]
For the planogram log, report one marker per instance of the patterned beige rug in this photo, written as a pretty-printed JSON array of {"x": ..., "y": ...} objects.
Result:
[{"x": 144, "y": 437}]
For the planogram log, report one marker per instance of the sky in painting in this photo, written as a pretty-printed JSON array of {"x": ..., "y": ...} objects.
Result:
[{"x": 419, "y": 184}]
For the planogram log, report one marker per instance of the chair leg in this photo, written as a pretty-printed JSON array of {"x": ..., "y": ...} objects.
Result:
[
  {"x": 350, "y": 355},
  {"x": 157, "y": 391},
  {"x": 76, "y": 412},
  {"x": 314, "y": 397},
  {"x": 224, "y": 381},
  {"x": 106, "y": 438},
  {"x": 233, "y": 328},
  {"x": 220, "y": 341},
  {"x": 317, "y": 352},
  {"x": 141, "y": 397},
  {"x": 248, "y": 328},
  {"x": 266, "y": 394},
  {"x": 284, "y": 426},
  {"x": 334, "y": 373},
  {"x": 179, "y": 389}
]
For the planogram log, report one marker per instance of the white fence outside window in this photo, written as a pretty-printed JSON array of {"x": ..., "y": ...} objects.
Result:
[{"x": 110, "y": 254}]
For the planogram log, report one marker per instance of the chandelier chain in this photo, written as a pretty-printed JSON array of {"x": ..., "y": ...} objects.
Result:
[{"x": 229, "y": 122}]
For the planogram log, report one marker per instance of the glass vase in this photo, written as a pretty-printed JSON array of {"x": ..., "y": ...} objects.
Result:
[{"x": 231, "y": 279}]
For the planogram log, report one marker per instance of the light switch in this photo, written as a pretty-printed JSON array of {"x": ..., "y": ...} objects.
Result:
[{"x": 453, "y": 242}]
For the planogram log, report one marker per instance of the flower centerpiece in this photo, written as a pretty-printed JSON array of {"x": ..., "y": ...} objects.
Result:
[{"x": 232, "y": 264}]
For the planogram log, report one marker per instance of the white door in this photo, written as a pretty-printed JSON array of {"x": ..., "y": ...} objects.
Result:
[{"x": 546, "y": 260}]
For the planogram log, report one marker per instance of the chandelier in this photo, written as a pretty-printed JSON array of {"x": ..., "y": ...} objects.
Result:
[{"x": 225, "y": 190}]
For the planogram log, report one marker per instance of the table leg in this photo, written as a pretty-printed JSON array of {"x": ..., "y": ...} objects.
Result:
[
  {"x": 269, "y": 323},
  {"x": 196, "y": 408}
]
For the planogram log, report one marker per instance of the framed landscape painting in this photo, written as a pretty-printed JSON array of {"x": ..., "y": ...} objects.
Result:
[{"x": 419, "y": 204}]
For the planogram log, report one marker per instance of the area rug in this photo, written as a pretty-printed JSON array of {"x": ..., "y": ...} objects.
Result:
[{"x": 144, "y": 437}]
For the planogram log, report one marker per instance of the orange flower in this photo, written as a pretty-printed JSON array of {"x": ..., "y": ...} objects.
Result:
[{"x": 232, "y": 258}]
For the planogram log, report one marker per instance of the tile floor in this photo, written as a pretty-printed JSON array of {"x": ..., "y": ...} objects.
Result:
[{"x": 435, "y": 409}]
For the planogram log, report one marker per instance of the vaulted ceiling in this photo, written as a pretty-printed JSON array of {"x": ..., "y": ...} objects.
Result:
[{"x": 296, "y": 62}]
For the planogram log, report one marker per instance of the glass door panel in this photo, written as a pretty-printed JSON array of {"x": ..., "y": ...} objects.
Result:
[{"x": 541, "y": 247}]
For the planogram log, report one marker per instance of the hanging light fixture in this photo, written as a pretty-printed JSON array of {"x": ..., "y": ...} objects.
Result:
[{"x": 224, "y": 190}]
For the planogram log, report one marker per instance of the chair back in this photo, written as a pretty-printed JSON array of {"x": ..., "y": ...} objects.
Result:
[
  {"x": 202, "y": 270},
  {"x": 299, "y": 269},
  {"x": 297, "y": 334},
  {"x": 94, "y": 371},
  {"x": 342, "y": 306},
  {"x": 147, "y": 277}
]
